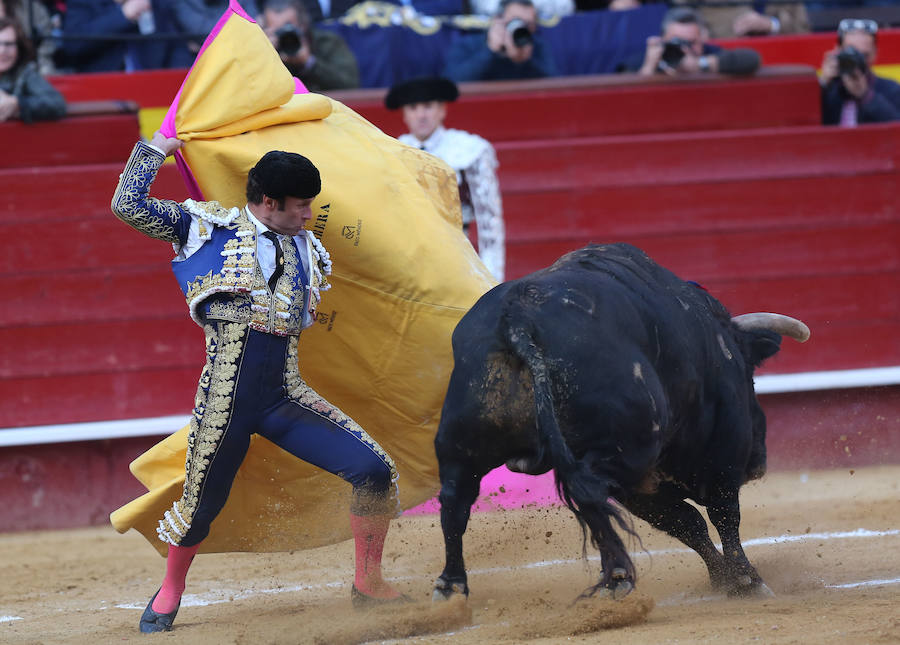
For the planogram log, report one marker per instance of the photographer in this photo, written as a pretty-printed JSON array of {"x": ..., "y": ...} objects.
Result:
[
  {"x": 682, "y": 49},
  {"x": 851, "y": 93},
  {"x": 319, "y": 58},
  {"x": 513, "y": 49}
]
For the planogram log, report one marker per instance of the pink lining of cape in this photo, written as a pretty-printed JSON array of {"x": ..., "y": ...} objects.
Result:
[{"x": 501, "y": 488}]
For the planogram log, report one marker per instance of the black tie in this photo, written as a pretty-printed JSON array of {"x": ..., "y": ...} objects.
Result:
[{"x": 279, "y": 260}]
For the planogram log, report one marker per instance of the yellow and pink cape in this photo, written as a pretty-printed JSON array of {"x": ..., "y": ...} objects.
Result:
[{"x": 404, "y": 274}]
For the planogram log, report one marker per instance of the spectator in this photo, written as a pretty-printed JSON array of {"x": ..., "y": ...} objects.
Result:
[
  {"x": 735, "y": 18},
  {"x": 851, "y": 93},
  {"x": 318, "y": 57},
  {"x": 38, "y": 24},
  {"x": 546, "y": 9},
  {"x": 424, "y": 102},
  {"x": 100, "y": 19},
  {"x": 512, "y": 49},
  {"x": 24, "y": 93},
  {"x": 198, "y": 17},
  {"x": 683, "y": 49}
]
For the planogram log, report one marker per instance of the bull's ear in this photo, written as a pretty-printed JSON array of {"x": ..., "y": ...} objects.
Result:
[{"x": 761, "y": 344}]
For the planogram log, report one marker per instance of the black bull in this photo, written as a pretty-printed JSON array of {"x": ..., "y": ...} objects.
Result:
[{"x": 630, "y": 384}]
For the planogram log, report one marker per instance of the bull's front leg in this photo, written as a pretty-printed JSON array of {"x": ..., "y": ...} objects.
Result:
[
  {"x": 667, "y": 511},
  {"x": 459, "y": 489},
  {"x": 741, "y": 579}
]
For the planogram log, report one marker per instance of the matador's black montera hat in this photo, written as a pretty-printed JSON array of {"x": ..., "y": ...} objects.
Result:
[
  {"x": 282, "y": 174},
  {"x": 421, "y": 90}
]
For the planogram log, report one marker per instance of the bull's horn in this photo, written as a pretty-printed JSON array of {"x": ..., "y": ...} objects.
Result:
[{"x": 779, "y": 323}]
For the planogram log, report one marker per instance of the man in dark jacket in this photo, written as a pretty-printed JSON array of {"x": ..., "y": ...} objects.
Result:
[
  {"x": 511, "y": 50},
  {"x": 318, "y": 57},
  {"x": 90, "y": 28},
  {"x": 682, "y": 48},
  {"x": 851, "y": 93}
]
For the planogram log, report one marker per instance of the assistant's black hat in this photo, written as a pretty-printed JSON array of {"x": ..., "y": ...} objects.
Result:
[
  {"x": 421, "y": 90},
  {"x": 280, "y": 174}
]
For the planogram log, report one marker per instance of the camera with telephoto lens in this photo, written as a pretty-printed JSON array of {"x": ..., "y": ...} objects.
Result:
[
  {"x": 521, "y": 34},
  {"x": 673, "y": 51},
  {"x": 289, "y": 40},
  {"x": 851, "y": 59}
]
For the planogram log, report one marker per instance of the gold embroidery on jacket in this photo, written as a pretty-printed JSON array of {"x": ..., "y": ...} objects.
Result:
[
  {"x": 212, "y": 212},
  {"x": 288, "y": 311},
  {"x": 278, "y": 313},
  {"x": 236, "y": 309},
  {"x": 238, "y": 270},
  {"x": 134, "y": 183},
  {"x": 212, "y": 411}
]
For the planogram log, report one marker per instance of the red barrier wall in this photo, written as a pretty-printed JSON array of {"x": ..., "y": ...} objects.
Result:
[
  {"x": 800, "y": 219},
  {"x": 777, "y": 214}
]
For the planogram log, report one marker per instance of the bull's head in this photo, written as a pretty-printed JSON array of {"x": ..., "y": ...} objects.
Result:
[
  {"x": 764, "y": 341},
  {"x": 765, "y": 346}
]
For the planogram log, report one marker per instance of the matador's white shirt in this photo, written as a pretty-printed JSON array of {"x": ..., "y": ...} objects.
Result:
[{"x": 475, "y": 163}]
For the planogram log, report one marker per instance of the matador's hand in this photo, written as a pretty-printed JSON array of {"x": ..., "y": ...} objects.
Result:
[{"x": 167, "y": 144}]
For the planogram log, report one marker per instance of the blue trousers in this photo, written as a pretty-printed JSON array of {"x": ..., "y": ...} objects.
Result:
[{"x": 251, "y": 384}]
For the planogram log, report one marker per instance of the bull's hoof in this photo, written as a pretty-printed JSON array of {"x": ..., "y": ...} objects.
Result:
[
  {"x": 746, "y": 586},
  {"x": 622, "y": 589},
  {"x": 617, "y": 587},
  {"x": 444, "y": 590},
  {"x": 620, "y": 585}
]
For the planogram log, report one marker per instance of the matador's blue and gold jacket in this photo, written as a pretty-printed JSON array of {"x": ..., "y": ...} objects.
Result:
[{"x": 215, "y": 263}]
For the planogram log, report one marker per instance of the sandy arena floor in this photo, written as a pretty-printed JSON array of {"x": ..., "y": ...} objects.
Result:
[{"x": 827, "y": 543}]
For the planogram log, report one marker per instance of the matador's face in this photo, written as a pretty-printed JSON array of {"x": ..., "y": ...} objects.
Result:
[{"x": 287, "y": 217}]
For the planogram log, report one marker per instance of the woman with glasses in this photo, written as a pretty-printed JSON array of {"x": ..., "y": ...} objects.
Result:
[
  {"x": 24, "y": 93},
  {"x": 851, "y": 93},
  {"x": 39, "y": 22}
]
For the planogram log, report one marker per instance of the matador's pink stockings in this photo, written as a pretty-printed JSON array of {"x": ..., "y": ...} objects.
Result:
[
  {"x": 369, "y": 533},
  {"x": 177, "y": 564}
]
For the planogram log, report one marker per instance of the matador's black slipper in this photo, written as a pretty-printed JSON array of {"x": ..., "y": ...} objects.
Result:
[
  {"x": 152, "y": 621},
  {"x": 361, "y": 600}
]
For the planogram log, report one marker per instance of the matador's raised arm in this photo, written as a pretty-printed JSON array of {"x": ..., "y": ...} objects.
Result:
[{"x": 162, "y": 219}]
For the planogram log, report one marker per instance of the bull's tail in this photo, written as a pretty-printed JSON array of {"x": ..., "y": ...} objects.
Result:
[{"x": 582, "y": 489}]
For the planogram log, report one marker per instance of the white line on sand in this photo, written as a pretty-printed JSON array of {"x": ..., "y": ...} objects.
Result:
[
  {"x": 226, "y": 595},
  {"x": 763, "y": 541},
  {"x": 865, "y": 583},
  {"x": 7, "y": 619}
]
